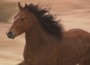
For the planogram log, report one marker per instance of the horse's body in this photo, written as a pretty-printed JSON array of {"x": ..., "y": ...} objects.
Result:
[
  {"x": 66, "y": 48},
  {"x": 73, "y": 49}
]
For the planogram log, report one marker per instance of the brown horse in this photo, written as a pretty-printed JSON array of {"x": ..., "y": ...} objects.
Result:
[{"x": 46, "y": 43}]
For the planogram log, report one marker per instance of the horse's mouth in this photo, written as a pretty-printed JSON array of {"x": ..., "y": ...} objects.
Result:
[{"x": 11, "y": 35}]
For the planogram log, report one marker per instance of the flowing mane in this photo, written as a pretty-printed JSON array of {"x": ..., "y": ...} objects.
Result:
[{"x": 47, "y": 20}]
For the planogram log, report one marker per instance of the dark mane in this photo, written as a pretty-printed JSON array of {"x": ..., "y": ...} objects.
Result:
[{"x": 47, "y": 20}]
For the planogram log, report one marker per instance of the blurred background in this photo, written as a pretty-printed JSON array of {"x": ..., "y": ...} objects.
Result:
[{"x": 72, "y": 13}]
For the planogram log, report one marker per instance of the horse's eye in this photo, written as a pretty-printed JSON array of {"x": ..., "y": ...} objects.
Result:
[{"x": 22, "y": 20}]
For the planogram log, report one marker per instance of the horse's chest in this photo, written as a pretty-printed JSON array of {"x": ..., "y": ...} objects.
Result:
[{"x": 46, "y": 55}]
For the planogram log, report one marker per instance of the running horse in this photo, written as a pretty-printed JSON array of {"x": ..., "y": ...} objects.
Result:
[{"x": 46, "y": 41}]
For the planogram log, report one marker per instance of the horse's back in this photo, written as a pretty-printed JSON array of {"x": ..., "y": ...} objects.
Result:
[{"x": 76, "y": 33}]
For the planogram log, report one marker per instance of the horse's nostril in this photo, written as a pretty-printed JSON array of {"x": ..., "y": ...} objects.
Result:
[{"x": 10, "y": 33}]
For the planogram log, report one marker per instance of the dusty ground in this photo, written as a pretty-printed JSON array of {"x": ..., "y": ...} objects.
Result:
[{"x": 73, "y": 14}]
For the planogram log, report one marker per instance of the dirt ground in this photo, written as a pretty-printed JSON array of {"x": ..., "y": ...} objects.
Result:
[{"x": 72, "y": 13}]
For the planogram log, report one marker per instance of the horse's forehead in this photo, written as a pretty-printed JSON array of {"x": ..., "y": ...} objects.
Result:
[{"x": 20, "y": 14}]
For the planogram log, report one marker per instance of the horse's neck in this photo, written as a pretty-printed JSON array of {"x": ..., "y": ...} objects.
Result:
[{"x": 35, "y": 37}]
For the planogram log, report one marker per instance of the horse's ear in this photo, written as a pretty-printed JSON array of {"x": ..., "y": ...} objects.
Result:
[
  {"x": 26, "y": 5},
  {"x": 20, "y": 7}
]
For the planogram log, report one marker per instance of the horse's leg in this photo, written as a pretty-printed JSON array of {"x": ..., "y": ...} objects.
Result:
[{"x": 86, "y": 59}]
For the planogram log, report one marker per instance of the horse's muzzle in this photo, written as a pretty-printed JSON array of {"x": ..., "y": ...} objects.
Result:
[{"x": 10, "y": 35}]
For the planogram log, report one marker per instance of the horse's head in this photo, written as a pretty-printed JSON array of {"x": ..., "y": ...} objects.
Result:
[
  {"x": 32, "y": 16},
  {"x": 22, "y": 22}
]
